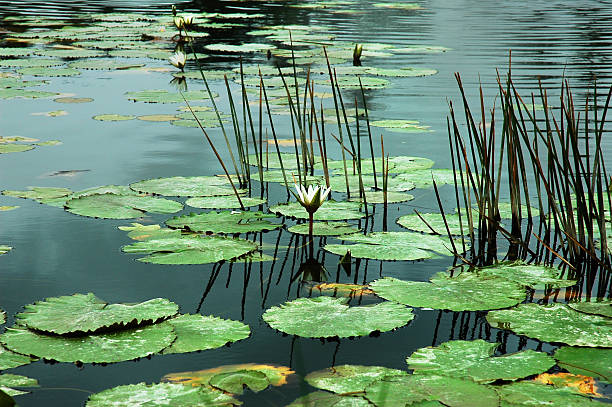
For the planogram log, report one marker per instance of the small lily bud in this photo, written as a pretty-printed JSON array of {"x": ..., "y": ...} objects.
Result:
[{"x": 357, "y": 54}]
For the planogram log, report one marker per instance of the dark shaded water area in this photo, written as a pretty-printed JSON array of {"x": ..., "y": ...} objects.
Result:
[{"x": 56, "y": 253}]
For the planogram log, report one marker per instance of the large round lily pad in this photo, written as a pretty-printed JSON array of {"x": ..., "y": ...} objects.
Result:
[
  {"x": 349, "y": 378},
  {"x": 555, "y": 323},
  {"x": 9, "y": 360},
  {"x": 586, "y": 361},
  {"x": 435, "y": 222},
  {"x": 324, "y": 229},
  {"x": 326, "y": 399},
  {"x": 98, "y": 348},
  {"x": 474, "y": 360},
  {"x": 184, "y": 186},
  {"x": 466, "y": 292},
  {"x": 224, "y": 222},
  {"x": 229, "y": 201},
  {"x": 331, "y": 210},
  {"x": 161, "y": 394},
  {"x": 191, "y": 250},
  {"x": 163, "y": 96},
  {"x": 111, "y": 206},
  {"x": 601, "y": 307},
  {"x": 532, "y": 275},
  {"x": 198, "y": 332},
  {"x": 85, "y": 313},
  {"x": 324, "y": 317}
]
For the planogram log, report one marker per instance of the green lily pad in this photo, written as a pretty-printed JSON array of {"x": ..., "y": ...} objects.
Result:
[
  {"x": 338, "y": 183},
  {"x": 39, "y": 193},
  {"x": 393, "y": 246},
  {"x": 101, "y": 348},
  {"x": 474, "y": 360},
  {"x": 85, "y": 313},
  {"x": 72, "y": 100},
  {"x": 5, "y": 249},
  {"x": 277, "y": 375},
  {"x": 409, "y": 390},
  {"x": 11, "y": 93},
  {"x": 146, "y": 232},
  {"x": 532, "y": 275},
  {"x": 60, "y": 201},
  {"x": 16, "y": 51},
  {"x": 163, "y": 96},
  {"x": 36, "y": 71},
  {"x": 331, "y": 210},
  {"x": 324, "y": 317},
  {"x": 198, "y": 332},
  {"x": 550, "y": 323},
  {"x": 31, "y": 62},
  {"x": 534, "y": 394},
  {"x": 184, "y": 186},
  {"x": 435, "y": 222},
  {"x": 422, "y": 178},
  {"x": 466, "y": 292},
  {"x": 111, "y": 206},
  {"x": 586, "y": 361},
  {"x": 15, "y": 148},
  {"x": 11, "y": 82},
  {"x": 10, "y": 360},
  {"x": 230, "y": 202},
  {"x": 70, "y": 53},
  {"x": 349, "y": 378},
  {"x": 600, "y": 307},
  {"x": 113, "y": 117},
  {"x": 234, "y": 382},
  {"x": 367, "y": 82},
  {"x": 324, "y": 229},
  {"x": 244, "y": 48},
  {"x": 2, "y": 317},
  {"x": 224, "y": 222},
  {"x": 157, "y": 118},
  {"x": 325, "y": 399},
  {"x": 7, "y": 381},
  {"x": 103, "y": 64},
  {"x": 161, "y": 394},
  {"x": 270, "y": 160},
  {"x": 190, "y": 250},
  {"x": 402, "y": 72},
  {"x": 377, "y": 197}
]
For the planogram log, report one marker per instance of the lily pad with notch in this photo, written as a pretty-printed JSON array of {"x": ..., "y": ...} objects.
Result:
[
  {"x": 225, "y": 222},
  {"x": 111, "y": 206}
]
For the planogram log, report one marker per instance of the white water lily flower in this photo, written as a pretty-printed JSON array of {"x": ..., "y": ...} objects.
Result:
[
  {"x": 311, "y": 198},
  {"x": 188, "y": 20},
  {"x": 179, "y": 22},
  {"x": 178, "y": 59}
]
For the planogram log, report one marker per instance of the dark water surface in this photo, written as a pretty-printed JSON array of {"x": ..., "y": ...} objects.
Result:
[{"x": 56, "y": 253}]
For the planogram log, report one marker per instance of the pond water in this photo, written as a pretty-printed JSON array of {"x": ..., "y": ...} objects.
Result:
[{"x": 57, "y": 253}]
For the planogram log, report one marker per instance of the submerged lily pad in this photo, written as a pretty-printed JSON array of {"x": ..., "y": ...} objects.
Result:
[
  {"x": 324, "y": 317},
  {"x": 586, "y": 361},
  {"x": 466, "y": 292},
  {"x": 349, "y": 378},
  {"x": 7, "y": 381},
  {"x": 550, "y": 323},
  {"x": 435, "y": 222},
  {"x": 392, "y": 246},
  {"x": 163, "y": 96},
  {"x": 101, "y": 348},
  {"x": 85, "y": 314},
  {"x": 161, "y": 394},
  {"x": 230, "y": 202},
  {"x": 474, "y": 360},
  {"x": 601, "y": 307},
  {"x": 277, "y": 375},
  {"x": 331, "y": 210},
  {"x": 184, "y": 186},
  {"x": 324, "y": 229},
  {"x": 532, "y": 275},
  {"x": 111, "y": 206},
  {"x": 190, "y": 250},
  {"x": 224, "y": 222},
  {"x": 198, "y": 332}
]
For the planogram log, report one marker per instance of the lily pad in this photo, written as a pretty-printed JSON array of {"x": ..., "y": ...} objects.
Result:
[
  {"x": 24, "y": 94},
  {"x": 601, "y": 307},
  {"x": 234, "y": 382},
  {"x": 190, "y": 250},
  {"x": 198, "y": 332},
  {"x": 324, "y": 229},
  {"x": 101, "y": 348},
  {"x": 401, "y": 72},
  {"x": 435, "y": 222},
  {"x": 163, "y": 96},
  {"x": 36, "y": 71},
  {"x": 5, "y": 249},
  {"x": 39, "y": 193},
  {"x": 15, "y": 148},
  {"x": 161, "y": 394},
  {"x": 7, "y": 381},
  {"x": 157, "y": 118},
  {"x": 324, "y": 317},
  {"x": 349, "y": 378},
  {"x": 392, "y": 246},
  {"x": 103, "y": 64},
  {"x": 401, "y": 6},
  {"x": 331, "y": 210},
  {"x": 466, "y": 292},
  {"x": 184, "y": 186},
  {"x": 230, "y": 201},
  {"x": 586, "y": 361},
  {"x": 224, "y": 222},
  {"x": 534, "y": 394},
  {"x": 532, "y": 275},
  {"x": 111, "y": 206},
  {"x": 552, "y": 323},
  {"x": 422, "y": 178},
  {"x": 31, "y": 62},
  {"x": 377, "y": 197},
  {"x": 244, "y": 48},
  {"x": 70, "y": 53},
  {"x": 60, "y": 201},
  {"x": 10, "y": 360},
  {"x": 113, "y": 117},
  {"x": 277, "y": 375},
  {"x": 474, "y": 360},
  {"x": 145, "y": 232},
  {"x": 85, "y": 313},
  {"x": 325, "y": 399}
]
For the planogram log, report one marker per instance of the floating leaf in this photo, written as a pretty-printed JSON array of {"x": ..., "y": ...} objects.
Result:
[
  {"x": 325, "y": 399},
  {"x": 24, "y": 94},
  {"x": 324, "y": 229},
  {"x": 324, "y": 317},
  {"x": 39, "y": 193},
  {"x": 582, "y": 384},
  {"x": 244, "y": 48},
  {"x": 224, "y": 222},
  {"x": 113, "y": 117},
  {"x": 161, "y": 394},
  {"x": 71, "y": 53},
  {"x": 534, "y": 394},
  {"x": 342, "y": 290},
  {"x": 270, "y": 160},
  {"x": 378, "y": 197},
  {"x": 532, "y": 275},
  {"x": 158, "y": 118},
  {"x": 60, "y": 202},
  {"x": 435, "y": 222},
  {"x": 230, "y": 201},
  {"x": 586, "y": 361},
  {"x": 198, "y": 332},
  {"x": 277, "y": 375},
  {"x": 101, "y": 348},
  {"x": 550, "y": 323},
  {"x": 466, "y": 292},
  {"x": 163, "y": 96},
  {"x": 234, "y": 382},
  {"x": 401, "y": 6},
  {"x": 16, "y": 52},
  {"x": 331, "y": 210},
  {"x": 474, "y": 360},
  {"x": 85, "y": 313},
  {"x": 111, "y": 206},
  {"x": 7, "y": 381},
  {"x": 72, "y": 100},
  {"x": 349, "y": 378},
  {"x": 422, "y": 178},
  {"x": 190, "y": 250},
  {"x": 31, "y": 62},
  {"x": 14, "y": 148},
  {"x": 10, "y": 360},
  {"x": 184, "y": 186},
  {"x": 36, "y": 71},
  {"x": 103, "y": 64},
  {"x": 600, "y": 307},
  {"x": 402, "y": 72},
  {"x": 54, "y": 113},
  {"x": 392, "y": 246},
  {"x": 2, "y": 318},
  {"x": 145, "y": 232},
  {"x": 5, "y": 249},
  {"x": 420, "y": 49}
]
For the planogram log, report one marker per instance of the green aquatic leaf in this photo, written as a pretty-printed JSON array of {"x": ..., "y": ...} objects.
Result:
[
  {"x": 217, "y": 202},
  {"x": 422, "y": 178},
  {"x": 7, "y": 381},
  {"x": 550, "y": 323},
  {"x": 145, "y": 232},
  {"x": 591, "y": 362},
  {"x": 190, "y": 250},
  {"x": 377, "y": 197},
  {"x": 184, "y": 186},
  {"x": 72, "y": 100},
  {"x": 5, "y": 249},
  {"x": 533, "y": 394},
  {"x": 532, "y": 275},
  {"x": 85, "y": 313},
  {"x": 113, "y": 347},
  {"x": 401, "y": 72},
  {"x": 277, "y": 375},
  {"x": 435, "y": 222},
  {"x": 2, "y": 317},
  {"x": 338, "y": 183},
  {"x": 270, "y": 160},
  {"x": 244, "y": 48},
  {"x": 325, "y": 399},
  {"x": 392, "y": 246},
  {"x": 103, "y": 64},
  {"x": 331, "y": 210},
  {"x": 225, "y": 222},
  {"x": 234, "y": 382},
  {"x": 52, "y": 71},
  {"x": 31, "y": 62},
  {"x": 113, "y": 117},
  {"x": 367, "y": 82},
  {"x": 474, "y": 360},
  {"x": 11, "y": 93},
  {"x": 420, "y": 49},
  {"x": 324, "y": 229},
  {"x": 163, "y": 96},
  {"x": 194, "y": 123},
  {"x": 10, "y": 82},
  {"x": 349, "y": 378},
  {"x": 10, "y": 360},
  {"x": 71, "y": 53},
  {"x": 324, "y": 317},
  {"x": 157, "y": 118},
  {"x": 15, "y": 148},
  {"x": 160, "y": 394},
  {"x": 60, "y": 202},
  {"x": 39, "y": 193},
  {"x": 111, "y": 206},
  {"x": 16, "y": 51},
  {"x": 599, "y": 307},
  {"x": 466, "y": 292}
]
